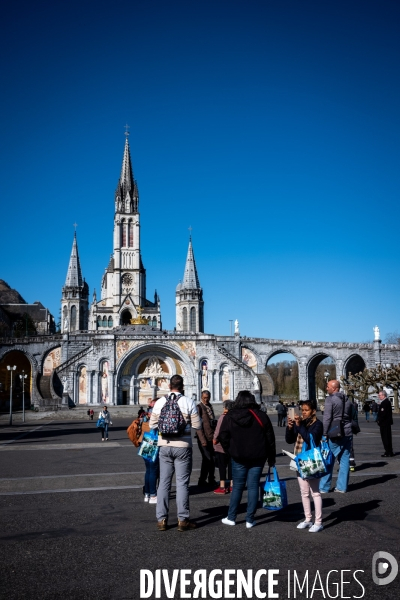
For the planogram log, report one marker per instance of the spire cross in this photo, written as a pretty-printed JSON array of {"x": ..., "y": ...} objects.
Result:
[
  {"x": 75, "y": 225},
  {"x": 126, "y": 130},
  {"x": 190, "y": 231}
]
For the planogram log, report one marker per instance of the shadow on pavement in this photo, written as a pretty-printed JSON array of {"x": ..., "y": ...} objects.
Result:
[
  {"x": 367, "y": 465},
  {"x": 352, "y": 512},
  {"x": 370, "y": 481}
]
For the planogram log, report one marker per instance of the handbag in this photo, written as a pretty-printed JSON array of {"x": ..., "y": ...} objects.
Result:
[
  {"x": 275, "y": 494},
  {"x": 336, "y": 429},
  {"x": 100, "y": 423},
  {"x": 148, "y": 449},
  {"x": 310, "y": 462}
]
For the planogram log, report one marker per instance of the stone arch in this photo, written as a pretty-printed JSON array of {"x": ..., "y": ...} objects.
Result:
[
  {"x": 21, "y": 389},
  {"x": 354, "y": 364},
  {"x": 177, "y": 360},
  {"x": 314, "y": 362},
  {"x": 82, "y": 384},
  {"x": 286, "y": 381},
  {"x": 225, "y": 382},
  {"x": 205, "y": 382},
  {"x": 49, "y": 383},
  {"x": 125, "y": 317}
]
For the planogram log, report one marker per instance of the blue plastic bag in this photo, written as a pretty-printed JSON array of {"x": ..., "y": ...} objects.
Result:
[
  {"x": 148, "y": 449},
  {"x": 310, "y": 463},
  {"x": 100, "y": 423},
  {"x": 275, "y": 494},
  {"x": 326, "y": 453}
]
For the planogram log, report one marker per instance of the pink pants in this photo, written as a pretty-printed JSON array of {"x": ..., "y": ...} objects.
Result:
[{"x": 307, "y": 486}]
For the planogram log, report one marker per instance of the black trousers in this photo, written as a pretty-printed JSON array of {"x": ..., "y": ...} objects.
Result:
[
  {"x": 386, "y": 435},
  {"x": 223, "y": 462},
  {"x": 207, "y": 462},
  {"x": 280, "y": 419}
]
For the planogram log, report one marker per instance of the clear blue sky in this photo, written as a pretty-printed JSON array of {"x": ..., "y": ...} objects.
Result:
[{"x": 270, "y": 127}]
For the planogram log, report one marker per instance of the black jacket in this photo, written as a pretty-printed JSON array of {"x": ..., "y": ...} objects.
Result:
[
  {"x": 315, "y": 429},
  {"x": 385, "y": 413},
  {"x": 242, "y": 436}
]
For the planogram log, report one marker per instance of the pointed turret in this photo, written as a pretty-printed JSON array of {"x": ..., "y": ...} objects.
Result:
[
  {"x": 189, "y": 297},
  {"x": 74, "y": 273},
  {"x": 75, "y": 295},
  {"x": 190, "y": 277},
  {"x": 126, "y": 194}
]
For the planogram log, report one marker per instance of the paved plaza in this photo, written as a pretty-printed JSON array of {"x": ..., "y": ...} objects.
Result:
[{"x": 74, "y": 524}]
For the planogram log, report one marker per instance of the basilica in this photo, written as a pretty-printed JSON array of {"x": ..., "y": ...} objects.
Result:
[{"x": 114, "y": 349}]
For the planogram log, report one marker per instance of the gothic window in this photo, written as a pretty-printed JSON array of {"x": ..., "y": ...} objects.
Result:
[
  {"x": 123, "y": 225},
  {"x": 193, "y": 319},
  {"x": 73, "y": 318},
  {"x": 184, "y": 319},
  {"x": 110, "y": 321},
  {"x": 130, "y": 234},
  {"x": 126, "y": 317},
  {"x": 98, "y": 321},
  {"x": 104, "y": 324}
]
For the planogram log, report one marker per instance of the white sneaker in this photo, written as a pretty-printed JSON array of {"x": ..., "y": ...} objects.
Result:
[
  {"x": 146, "y": 498},
  {"x": 250, "y": 525},
  {"x": 226, "y": 521},
  {"x": 153, "y": 500},
  {"x": 316, "y": 528},
  {"x": 305, "y": 525}
]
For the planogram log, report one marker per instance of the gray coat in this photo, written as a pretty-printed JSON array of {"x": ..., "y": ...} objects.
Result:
[{"x": 334, "y": 409}]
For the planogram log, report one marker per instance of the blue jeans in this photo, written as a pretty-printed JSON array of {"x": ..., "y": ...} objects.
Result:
[
  {"x": 151, "y": 476},
  {"x": 340, "y": 448},
  {"x": 104, "y": 430},
  {"x": 367, "y": 415},
  {"x": 242, "y": 472},
  {"x": 375, "y": 416}
]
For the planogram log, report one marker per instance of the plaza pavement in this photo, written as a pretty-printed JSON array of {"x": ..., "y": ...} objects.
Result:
[{"x": 74, "y": 525}]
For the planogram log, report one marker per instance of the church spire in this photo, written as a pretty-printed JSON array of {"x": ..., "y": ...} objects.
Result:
[
  {"x": 190, "y": 277},
  {"x": 74, "y": 273},
  {"x": 126, "y": 194}
]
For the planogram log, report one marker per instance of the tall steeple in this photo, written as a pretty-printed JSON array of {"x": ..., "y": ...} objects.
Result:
[
  {"x": 75, "y": 295},
  {"x": 74, "y": 273},
  {"x": 190, "y": 277},
  {"x": 126, "y": 194},
  {"x": 189, "y": 297}
]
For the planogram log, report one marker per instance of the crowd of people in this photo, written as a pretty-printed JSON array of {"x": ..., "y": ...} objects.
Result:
[{"x": 240, "y": 443}]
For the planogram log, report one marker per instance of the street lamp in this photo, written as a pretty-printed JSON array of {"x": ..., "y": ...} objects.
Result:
[
  {"x": 23, "y": 377},
  {"x": 11, "y": 369}
]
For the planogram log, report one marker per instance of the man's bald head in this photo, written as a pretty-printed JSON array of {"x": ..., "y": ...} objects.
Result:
[{"x": 333, "y": 386}]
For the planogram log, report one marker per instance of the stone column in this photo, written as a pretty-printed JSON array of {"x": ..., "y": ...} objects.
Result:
[
  {"x": 377, "y": 352},
  {"x": 112, "y": 397},
  {"x": 132, "y": 390},
  {"x": 88, "y": 387},
  {"x": 213, "y": 387},
  {"x": 303, "y": 380}
]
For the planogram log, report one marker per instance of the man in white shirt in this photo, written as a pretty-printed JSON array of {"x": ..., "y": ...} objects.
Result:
[{"x": 175, "y": 457}]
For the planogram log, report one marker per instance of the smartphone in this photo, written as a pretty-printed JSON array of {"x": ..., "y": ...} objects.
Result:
[{"x": 293, "y": 412}]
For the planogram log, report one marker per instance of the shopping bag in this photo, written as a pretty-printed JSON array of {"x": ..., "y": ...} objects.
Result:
[
  {"x": 148, "y": 448},
  {"x": 100, "y": 423},
  {"x": 292, "y": 464},
  {"x": 310, "y": 463},
  {"x": 326, "y": 453},
  {"x": 275, "y": 495}
]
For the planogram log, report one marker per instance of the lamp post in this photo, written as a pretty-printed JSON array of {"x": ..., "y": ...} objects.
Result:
[
  {"x": 23, "y": 377},
  {"x": 11, "y": 369}
]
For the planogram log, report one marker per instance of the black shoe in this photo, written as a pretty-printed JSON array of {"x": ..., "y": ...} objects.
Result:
[
  {"x": 391, "y": 455},
  {"x": 202, "y": 483},
  {"x": 385, "y": 455}
]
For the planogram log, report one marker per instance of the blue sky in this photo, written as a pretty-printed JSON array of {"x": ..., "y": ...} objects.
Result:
[{"x": 270, "y": 127}]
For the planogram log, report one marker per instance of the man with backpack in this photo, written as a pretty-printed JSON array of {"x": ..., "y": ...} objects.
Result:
[{"x": 174, "y": 415}]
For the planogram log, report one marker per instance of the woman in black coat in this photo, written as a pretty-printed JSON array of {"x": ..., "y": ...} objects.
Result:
[{"x": 247, "y": 435}]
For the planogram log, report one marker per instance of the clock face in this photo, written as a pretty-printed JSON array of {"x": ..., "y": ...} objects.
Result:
[{"x": 127, "y": 279}]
